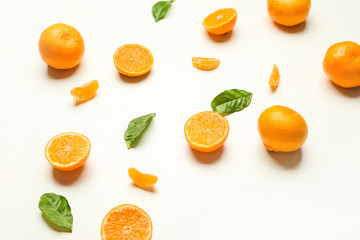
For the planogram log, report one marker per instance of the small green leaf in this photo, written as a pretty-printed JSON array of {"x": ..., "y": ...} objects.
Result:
[
  {"x": 56, "y": 209},
  {"x": 160, "y": 9},
  {"x": 135, "y": 129},
  {"x": 231, "y": 101}
]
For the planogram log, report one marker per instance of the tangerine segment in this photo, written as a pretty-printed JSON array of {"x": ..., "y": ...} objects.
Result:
[
  {"x": 61, "y": 46},
  {"x": 142, "y": 180},
  {"x": 86, "y": 92},
  {"x": 126, "y": 222},
  {"x": 205, "y": 63},
  {"x": 220, "y": 21},
  {"x": 206, "y": 131},
  {"x": 274, "y": 78},
  {"x": 133, "y": 60},
  {"x": 67, "y": 151}
]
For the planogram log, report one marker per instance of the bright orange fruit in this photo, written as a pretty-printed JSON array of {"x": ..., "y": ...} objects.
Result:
[
  {"x": 126, "y": 222},
  {"x": 142, "y": 180},
  {"x": 282, "y": 129},
  {"x": 61, "y": 46},
  {"x": 342, "y": 64},
  {"x": 220, "y": 21},
  {"x": 288, "y": 12},
  {"x": 205, "y": 63},
  {"x": 206, "y": 131},
  {"x": 67, "y": 151},
  {"x": 274, "y": 78},
  {"x": 133, "y": 60},
  {"x": 86, "y": 92}
]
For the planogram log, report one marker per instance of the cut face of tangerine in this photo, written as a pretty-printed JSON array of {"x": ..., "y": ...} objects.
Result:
[
  {"x": 206, "y": 131},
  {"x": 67, "y": 151},
  {"x": 205, "y": 63},
  {"x": 142, "y": 180},
  {"x": 274, "y": 78},
  {"x": 126, "y": 222},
  {"x": 220, "y": 21},
  {"x": 86, "y": 92},
  {"x": 133, "y": 60}
]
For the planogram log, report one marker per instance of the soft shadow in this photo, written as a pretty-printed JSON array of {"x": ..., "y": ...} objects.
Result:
[
  {"x": 150, "y": 189},
  {"x": 61, "y": 73},
  {"x": 293, "y": 29},
  {"x": 54, "y": 226},
  {"x": 208, "y": 158},
  {"x": 67, "y": 177},
  {"x": 288, "y": 160},
  {"x": 134, "y": 79},
  {"x": 220, "y": 38},
  {"x": 348, "y": 92}
]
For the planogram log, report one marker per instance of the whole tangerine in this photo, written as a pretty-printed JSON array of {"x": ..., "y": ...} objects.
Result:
[
  {"x": 342, "y": 64},
  {"x": 282, "y": 129},
  {"x": 288, "y": 12},
  {"x": 61, "y": 46}
]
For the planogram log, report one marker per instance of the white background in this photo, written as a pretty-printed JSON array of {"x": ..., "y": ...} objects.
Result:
[{"x": 239, "y": 192}]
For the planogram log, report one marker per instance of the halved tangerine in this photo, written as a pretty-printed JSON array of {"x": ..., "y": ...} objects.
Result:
[
  {"x": 220, "y": 21},
  {"x": 133, "y": 60},
  {"x": 67, "y": 151},
  {"x": 126, "y": 222},
  {"x": 206, "y": 131}
]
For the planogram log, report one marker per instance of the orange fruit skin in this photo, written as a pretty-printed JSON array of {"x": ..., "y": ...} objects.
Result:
[
  {"x": 274, "y": 78},
  {"x": 133, "y": 60},
  {"x": 342, "y": 64},
  {"x": 142, "y": 180},
  {"x": 205, "y": 63},
  {"x": 69, "y": 147},
  {"x": 86, "y": 92},
  {"x": 288, "y": 12},
  {"x": 124, "y": 219},
  {"x": 61, "y": 46},
  {"x": 282, "y": 129},
  {"x": 206, "y": 131},
  {"x": 220, "y": 21}
]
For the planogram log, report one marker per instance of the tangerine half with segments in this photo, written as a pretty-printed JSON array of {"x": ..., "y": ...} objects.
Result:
[
  {"x": 67, "y": 151},
  {"x": 133, "y": 60},
  {"x": 206, "y": 131},
  {"x": 220, "y": 21},
  {"x": 126, "y": 222}
]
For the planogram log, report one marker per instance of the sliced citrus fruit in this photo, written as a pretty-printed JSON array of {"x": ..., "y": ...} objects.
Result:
[
  {"x": 205, "y": 63},
  {"x": 220, "y": 21},
  {"x": 133, "y": 60},
  {"x": 86, "y": 92},
  {"x": 142, "y": 180},
  {"x": 206, "y": 131},
  {"x": 126, "y": 222},
  {"x": 67, "y": 151},
  {"x": 274, "y": 78}
]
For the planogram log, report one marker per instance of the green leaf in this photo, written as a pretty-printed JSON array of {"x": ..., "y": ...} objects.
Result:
[
  {"x": 135, "y": 129},
  {"x": 231, "y": 101},
  {"x": 160, "y": 9},
  {"x": 56, "y": 209}
]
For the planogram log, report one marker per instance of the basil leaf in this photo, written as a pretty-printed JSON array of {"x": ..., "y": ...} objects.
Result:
[
  {"x": 160, "y": 9},
  {"x": 56, "y": 209},
  {"x": 135, "y": 128},
  {"x": 231, "y": 101}
]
